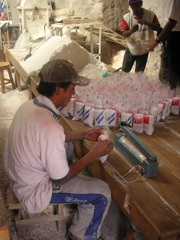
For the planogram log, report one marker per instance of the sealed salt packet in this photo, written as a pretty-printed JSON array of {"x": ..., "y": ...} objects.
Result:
[
  {"x": 78, "y": 111},
  {"x": 71, "y": 106},
  {"x": 88, "y": 116},
  {"x": 148, "y": 124},
  {"x": 138, "y": 123},
  {"x": 99, "y": 117},
  {"x": 111, "y": 117},
  {"x": 102, "y": 137}
]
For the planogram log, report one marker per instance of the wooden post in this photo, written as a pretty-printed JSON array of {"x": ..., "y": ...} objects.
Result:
[
  {"x": 91, "y": 41},
  {"x": 4, "y": 232},
  {"x": 100, "y": 36}
]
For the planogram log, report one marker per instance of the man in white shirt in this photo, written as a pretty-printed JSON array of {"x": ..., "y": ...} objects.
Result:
[
  {"x": 35, "y": 155},
  {"x": 137, "y": 27},
  {"x": 171, "y": 33}
]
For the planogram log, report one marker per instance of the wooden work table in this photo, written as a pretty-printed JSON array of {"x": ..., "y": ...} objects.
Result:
[{"x": 152, "y": 204}]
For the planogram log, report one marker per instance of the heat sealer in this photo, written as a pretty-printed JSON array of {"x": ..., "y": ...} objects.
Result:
[{"x": 136, "y": 152}]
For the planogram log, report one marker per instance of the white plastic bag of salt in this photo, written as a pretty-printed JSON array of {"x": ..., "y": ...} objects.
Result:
[
  {"x": 102, "y": 137},
  {"x": 88, "y": 116},
  {"x": 78, "y": 111}
]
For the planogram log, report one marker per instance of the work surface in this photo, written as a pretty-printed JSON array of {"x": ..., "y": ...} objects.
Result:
[{"x": 152, "y": 204}]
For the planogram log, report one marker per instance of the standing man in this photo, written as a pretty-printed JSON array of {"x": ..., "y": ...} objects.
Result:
[
  {"x": 137, "y": 27},
  {"x": 35, "y": 155},
  {"x": 170, "y": 33},
  {"x": 1, "y": 13}
]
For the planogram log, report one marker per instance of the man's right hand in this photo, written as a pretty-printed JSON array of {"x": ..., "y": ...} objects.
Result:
[
  {"x": 102, "y": 148},
  {"x": 135, "y": 28}
]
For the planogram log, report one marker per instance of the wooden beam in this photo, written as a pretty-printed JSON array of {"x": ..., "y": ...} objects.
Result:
[
  {"x": 37, "y": 220},
  {"x": 4, "y": 232}
]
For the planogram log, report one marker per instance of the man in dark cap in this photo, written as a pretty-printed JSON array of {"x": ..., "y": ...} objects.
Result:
[
  {"x": 137, "y": 27},
  {"x": 35, "y": 156}
]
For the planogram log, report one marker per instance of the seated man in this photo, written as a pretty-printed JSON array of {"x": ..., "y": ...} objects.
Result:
[{"x": 35, "y": 156}]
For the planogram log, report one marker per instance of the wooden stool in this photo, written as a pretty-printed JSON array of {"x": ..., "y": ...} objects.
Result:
[
  {"x": 4, "y": 81},
  {"x": 22, "y": 218},
  {"x": 4, "y": 232}
]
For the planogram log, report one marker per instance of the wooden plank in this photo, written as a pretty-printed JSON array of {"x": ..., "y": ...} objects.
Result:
[
  {"x": 79, "y": 21},
  {"x": 108, "y": 35},
  {"x": 21, "y": 73},
  {"x": 4, "y": 232},
  {"x": 14, "y": 206},
  {"x": 32, "y": 87},
  {"x": 154, "y": 203},
  {"x": 37, "y": 220},
  {"x": 165, "y": 142}
]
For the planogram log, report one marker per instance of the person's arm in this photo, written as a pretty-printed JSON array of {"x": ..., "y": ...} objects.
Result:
[
  {"x": 99, "y": 149},
  {"x": 126, "y": 32},
  {"x": 163, "y": 35},
  {"x": 153, "y": 26},
  {"x": 129, "y": 32},
  {"x": 1, "y": 15},
  {"x": 90, "y": 134}
]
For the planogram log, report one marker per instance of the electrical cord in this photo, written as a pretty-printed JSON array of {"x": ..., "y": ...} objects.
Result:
[{"x": 120, "y": 178}]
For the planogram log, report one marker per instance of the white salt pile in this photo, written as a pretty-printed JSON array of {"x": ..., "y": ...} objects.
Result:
[{"x": 59, "y": 48}]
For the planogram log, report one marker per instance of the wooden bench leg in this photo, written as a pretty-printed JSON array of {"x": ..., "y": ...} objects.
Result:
[
  {"x": 61, "y": 221},
  {"x": 11, "y": 78},
  {"x": 4, "y": 232},
  {"x": 2, "y": 82},
  {"x": 17, "y": 80}
]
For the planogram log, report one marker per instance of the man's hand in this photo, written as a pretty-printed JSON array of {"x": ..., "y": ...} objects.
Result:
[
  {"x": 152, "y": 46},
  {"x": 142, "y": 21},
  {"x": 135, "y": 28},
  {"x": 92, "y": 134},
  {"x": 102, "y": 148}
]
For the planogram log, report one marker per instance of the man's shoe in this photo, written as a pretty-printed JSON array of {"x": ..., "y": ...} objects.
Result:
[{"x": 68, "y": 237}]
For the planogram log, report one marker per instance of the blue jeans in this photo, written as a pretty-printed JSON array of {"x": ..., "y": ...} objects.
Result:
[
  {"x": 130, "y": 59},
  {"x": 93, "y": 198}
]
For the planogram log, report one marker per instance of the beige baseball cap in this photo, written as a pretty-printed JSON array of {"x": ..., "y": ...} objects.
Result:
[{"x": 60, "y": 70}]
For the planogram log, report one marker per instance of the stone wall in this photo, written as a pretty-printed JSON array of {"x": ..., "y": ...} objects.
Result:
[
  {"x": 111, "y": 12},
  {"x": 83, "y": 8}
]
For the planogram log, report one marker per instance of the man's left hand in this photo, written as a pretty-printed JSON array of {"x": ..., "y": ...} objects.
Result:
[
  {"x": 92, "y": 134},
  {"x": 142, "y": 21}
]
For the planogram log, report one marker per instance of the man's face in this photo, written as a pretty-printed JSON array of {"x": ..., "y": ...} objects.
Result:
[
  {"x": 65, "y": 95},
  {"x": 136, "y": 6}
]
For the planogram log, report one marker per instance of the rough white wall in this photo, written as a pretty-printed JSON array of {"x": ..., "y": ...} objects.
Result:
[
  {"x": 110, "y": 10},
  {"x": 82, "y": 8}
]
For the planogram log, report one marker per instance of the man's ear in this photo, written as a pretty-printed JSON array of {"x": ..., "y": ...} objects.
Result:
[{"x": 59, "y": 90}]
